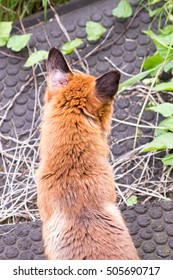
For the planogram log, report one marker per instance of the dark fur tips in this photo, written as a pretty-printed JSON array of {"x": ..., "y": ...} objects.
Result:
[
  {"x": 107, "y": 85},
  {"x": 56, "y": 61}
]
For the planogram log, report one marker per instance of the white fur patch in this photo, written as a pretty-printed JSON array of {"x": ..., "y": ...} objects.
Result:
[
  {"x": 53, "y": 231},
  {"x": 113, "y": 210},
  {"x": 106, "y": 134},
  {"x": 58, "y": 79}
]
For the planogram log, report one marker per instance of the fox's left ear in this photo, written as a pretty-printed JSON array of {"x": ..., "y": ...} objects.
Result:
[
  {"x": 107, "y": 85},
  {"x": 57, "y": 69}
]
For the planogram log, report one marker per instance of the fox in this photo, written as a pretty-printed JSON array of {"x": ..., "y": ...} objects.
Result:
[{"x": 75, "y": 184}]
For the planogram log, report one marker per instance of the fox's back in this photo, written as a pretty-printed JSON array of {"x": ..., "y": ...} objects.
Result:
[{"x": 76, "y": 192}]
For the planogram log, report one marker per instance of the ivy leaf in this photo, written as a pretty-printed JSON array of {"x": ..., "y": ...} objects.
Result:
[
  {"x": 164, "y": 86},
  {"x": 5, "y": 29},
  {"x": 70, "y": 46},
  {"x": 123, "y": 10},
  {"x": 164, "y": 141},
  {"x": 36, "y": 57},
  {"x": 167, "y": 124},
  {"x": 168, "y": 159},
  {"x": 94, "y": 30},
  {"x": 162, "y": 43},
  {"x": 132, "y": 200},
  {"x": 152, "y": 61},
  {"x": 18, "y": 42},
  {"x": 165, "y": 109}
]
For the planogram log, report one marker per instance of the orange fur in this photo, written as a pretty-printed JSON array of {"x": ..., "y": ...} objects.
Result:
[{"x": 76, "y": 192}]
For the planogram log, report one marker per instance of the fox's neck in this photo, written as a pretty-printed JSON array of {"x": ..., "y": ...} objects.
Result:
[{"x": 72, "y": 145}]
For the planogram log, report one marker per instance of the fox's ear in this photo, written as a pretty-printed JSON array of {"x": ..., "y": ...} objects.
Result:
[
  {"x": 107, "y": 85},
  {"x": 57, "y": 69}
]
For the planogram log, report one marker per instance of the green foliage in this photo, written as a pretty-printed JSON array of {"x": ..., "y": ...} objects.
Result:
[
  {"x": 162, "y": 142},
  {"x": 123, "y": 10},
  {"x": 94, "y": 30},
  {"x": 11, "y": 9},
  {"x": 5, "y": 29},
  {"x": 155, "y": 12},
  {"x": 70, "y": 46},
  {"x": 165, "y": 109},
  {"x": 162, "y": 42},
  {"x": 168, "y": 160},
  {"x": 166, "y": 125},
  {"x": 18, "y": 42},
  {"x": 45, "y": 4},
  {"x": 164, "y": 86},
  {"x": 135, "y": 79},
  {"x": 132, "y": 200},
  {"x": 164, "y": 132},
  {"x": 36, "y": 57},
  {"x": 151, "y": 62}
]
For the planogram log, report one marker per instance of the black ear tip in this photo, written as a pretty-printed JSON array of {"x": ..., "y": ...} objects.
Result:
[
  {"x": 116, "y": 74},
  {"x": 107, "y": 85},
  {"x": 53, "y": 52},
  {"x": 56, "y": 61}
]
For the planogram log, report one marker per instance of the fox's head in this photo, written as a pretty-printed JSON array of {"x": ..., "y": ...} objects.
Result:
[{"x": 75, "y": 94}]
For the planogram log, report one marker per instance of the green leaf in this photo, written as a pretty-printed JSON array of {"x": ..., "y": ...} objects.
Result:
[
  {"x": 18, "y": 42},
  {"x": 167, "y": 30},
  {"x": 132, "y": 200},
  {"x": 5, "y": 29},
  {"x": 168, "y": 66},
  {"x": 164, "y": 141},
  {"x": 70, "y": 46},
  {"x": 152, "y": 61},
  {"x": 152, "y": 2},
  {"x": 165, "y": 109},
  {"x": 123, "y": 10},
  {"x": 162, "y": 43},
  {"x": 164, "y": 86},
  {"x": 36, "y": 57},
  {"x": 94, "y": 30},
  {"x": 167, "y": 124},
  {"x": 155, "y": 12},
  {"x": 168, "y": 160},
  {"x": 45, "y": 3},
  {"x": 135, "y": 79}
]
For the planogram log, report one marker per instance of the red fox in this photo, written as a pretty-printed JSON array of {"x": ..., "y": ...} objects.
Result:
[{"x": 76, "y": 189}]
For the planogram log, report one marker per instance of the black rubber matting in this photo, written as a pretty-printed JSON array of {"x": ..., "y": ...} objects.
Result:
[{"x": 151, "y": 226}]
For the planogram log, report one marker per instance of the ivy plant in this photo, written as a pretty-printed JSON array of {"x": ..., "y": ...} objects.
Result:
[
  {"x": 163, "y": 133},
  {"x": 123, "y": 10}
]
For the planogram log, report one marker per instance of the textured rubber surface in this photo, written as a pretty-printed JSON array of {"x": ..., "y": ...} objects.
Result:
[{"x": 151, "y": 228}]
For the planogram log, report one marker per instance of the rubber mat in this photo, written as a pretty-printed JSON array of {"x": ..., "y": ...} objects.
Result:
[
  {"x": 21, "y": 105},
  {"x": 151, "y": 228}
]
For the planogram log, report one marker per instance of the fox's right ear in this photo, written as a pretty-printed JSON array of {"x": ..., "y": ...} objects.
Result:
[
  {"x": 107, "y": 85},
  {"x": 57, "y": 69}
]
